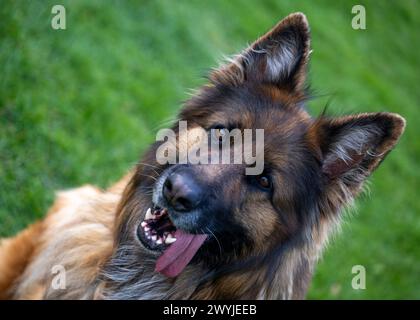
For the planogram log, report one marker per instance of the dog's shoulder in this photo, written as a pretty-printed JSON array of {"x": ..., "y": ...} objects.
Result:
[{"x": 72, "y": 242}]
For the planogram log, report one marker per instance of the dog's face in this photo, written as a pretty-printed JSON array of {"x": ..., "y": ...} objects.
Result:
[
  {"x": 312, "y": 167},
  {"x": 240, "y": 212}
]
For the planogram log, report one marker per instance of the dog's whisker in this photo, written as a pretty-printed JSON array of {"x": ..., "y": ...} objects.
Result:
[
  {"x": 152, "y": 167},
  {"x": 147, "y": 175},
  {"x": 148, "y": 188},
  {"x": 148, "y": 164},
  {"x": 218, "y": 242}
]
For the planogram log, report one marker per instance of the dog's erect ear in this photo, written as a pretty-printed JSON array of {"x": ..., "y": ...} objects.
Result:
[
  {"x": 278, "y": 58},
  {"x": 352, "y": 147}
]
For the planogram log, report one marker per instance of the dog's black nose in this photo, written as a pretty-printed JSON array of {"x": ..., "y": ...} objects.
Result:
[{"x": 182, "y": 191}]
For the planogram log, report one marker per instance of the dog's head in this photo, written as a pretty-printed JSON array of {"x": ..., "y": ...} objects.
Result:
[{"x": 311, "y": 167}]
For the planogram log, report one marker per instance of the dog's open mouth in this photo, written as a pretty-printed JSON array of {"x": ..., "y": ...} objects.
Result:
[
  {"x": 158, "y": 229},
  {"x": 157, "y": 232}
]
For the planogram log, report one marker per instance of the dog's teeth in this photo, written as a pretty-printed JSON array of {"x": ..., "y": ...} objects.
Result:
[
  {"x": 146, "y": 228},
  {"x": 159, "y": 241},
  {"x": 169, "y": 239},
  {"x": 143, "y": 224},
  {"x": 154, "y": 238},
  {"x": 149, "y": 214}
]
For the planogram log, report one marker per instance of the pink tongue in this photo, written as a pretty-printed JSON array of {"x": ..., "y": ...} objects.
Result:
[{"x": 179, "y": 254}]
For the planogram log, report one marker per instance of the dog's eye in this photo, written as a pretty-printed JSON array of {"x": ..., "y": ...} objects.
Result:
[{"x": 264, "y": 181}]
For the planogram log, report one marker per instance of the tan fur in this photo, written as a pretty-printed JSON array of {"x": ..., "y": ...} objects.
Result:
[
  {"x": 79, "y": 224},
  {"x": 15, "y": 254}
]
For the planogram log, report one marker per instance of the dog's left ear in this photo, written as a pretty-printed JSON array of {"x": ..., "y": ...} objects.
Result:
[
  {"x": 351, "y": 147},
  {"x": 278, "y": 58}
]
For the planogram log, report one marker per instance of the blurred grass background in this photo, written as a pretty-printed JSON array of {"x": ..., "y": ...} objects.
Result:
[{"x": 80, "y": 105}]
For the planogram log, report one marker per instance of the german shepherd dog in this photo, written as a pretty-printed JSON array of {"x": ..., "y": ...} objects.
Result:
[{"x": 209, "y": 231}]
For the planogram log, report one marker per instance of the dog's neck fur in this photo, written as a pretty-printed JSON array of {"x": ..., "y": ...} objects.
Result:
[{"x": 130, "y": 275}]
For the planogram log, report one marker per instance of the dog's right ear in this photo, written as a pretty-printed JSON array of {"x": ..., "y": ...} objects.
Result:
[{"x": 277, "y": 58}]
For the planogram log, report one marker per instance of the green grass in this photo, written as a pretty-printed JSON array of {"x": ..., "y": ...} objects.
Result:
[{"x": 79, "y": 106}]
